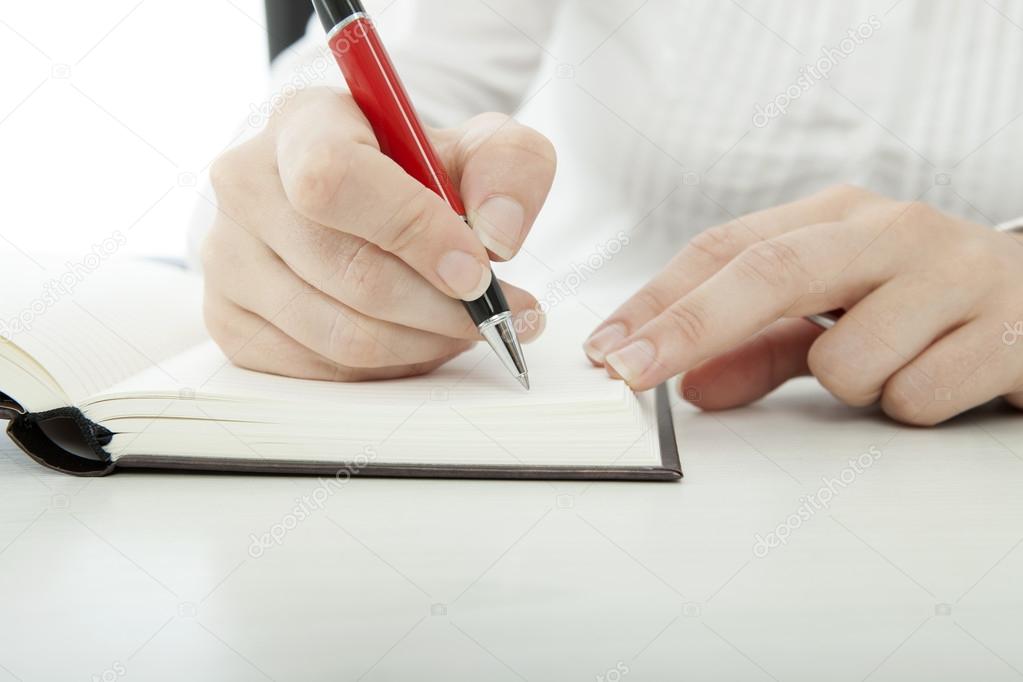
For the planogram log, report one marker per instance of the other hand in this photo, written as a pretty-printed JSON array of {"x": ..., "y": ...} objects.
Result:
[{"x": 933, "y": 323}]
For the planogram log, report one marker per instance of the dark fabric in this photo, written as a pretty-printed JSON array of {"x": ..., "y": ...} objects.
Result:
[
  {"x": 64, "y": 440},
  {"x": 285, "y": 23}
]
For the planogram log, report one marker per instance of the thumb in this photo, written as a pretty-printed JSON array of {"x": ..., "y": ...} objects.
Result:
[
  {"x": 504, "y": 172},
  {"x": 753, "y": 369}
]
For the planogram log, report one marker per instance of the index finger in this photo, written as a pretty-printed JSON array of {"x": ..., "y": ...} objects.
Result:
[
  {"x": 334, "y": 174},
  {"x": 710, "y": 251},
  {"x": 770, "y": 280}
]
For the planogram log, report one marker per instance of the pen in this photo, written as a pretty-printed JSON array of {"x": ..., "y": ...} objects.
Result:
[
  {"x": 377, "y": 89},
  {"x": 826, "y": 320}
]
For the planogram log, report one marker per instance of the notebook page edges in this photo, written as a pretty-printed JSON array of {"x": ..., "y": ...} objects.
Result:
[
  {"x": 470, "y": 411},
  {"x": 92, "y": 327}
]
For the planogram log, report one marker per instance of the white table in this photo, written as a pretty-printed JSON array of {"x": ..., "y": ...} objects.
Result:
[{"x": 913, "y": 572}]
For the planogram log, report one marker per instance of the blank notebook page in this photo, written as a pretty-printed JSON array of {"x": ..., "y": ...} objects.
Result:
[
  {"x": 88, "y": 329},
  {"x": 469, "y": 411}
]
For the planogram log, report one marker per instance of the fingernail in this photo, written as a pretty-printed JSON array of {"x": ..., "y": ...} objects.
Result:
[
  {"x": 498, "y": 224},
  {"x": 465, "y": 275},
  {"x": 529, "y": 324},
  {"x": 603, "y": 340},
  {"x": 633, "y": 360}
]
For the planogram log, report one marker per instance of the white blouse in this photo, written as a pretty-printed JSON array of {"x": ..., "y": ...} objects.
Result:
[{"x": 670, "y": 116}]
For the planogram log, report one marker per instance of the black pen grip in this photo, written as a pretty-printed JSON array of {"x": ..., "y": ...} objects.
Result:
[{"x": 491, "y": 303}]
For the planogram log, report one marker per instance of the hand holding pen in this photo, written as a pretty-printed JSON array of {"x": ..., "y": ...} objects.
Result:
[
  {"x": 328, "y": 261},
  {"x": 378, "y": 91}
]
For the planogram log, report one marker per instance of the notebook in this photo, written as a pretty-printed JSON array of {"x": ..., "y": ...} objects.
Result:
[{"x": 109, "y": 368}]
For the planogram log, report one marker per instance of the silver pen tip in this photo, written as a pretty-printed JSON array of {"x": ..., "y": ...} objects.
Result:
[{"x": 500, "y": 335}]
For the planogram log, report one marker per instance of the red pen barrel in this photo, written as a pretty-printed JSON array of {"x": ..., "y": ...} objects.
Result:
[{"x": 376, "y": 88}]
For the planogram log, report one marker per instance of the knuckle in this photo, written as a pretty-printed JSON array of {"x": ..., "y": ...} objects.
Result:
[
  {"x": 221, "y": 174},
  {"x": 303, "y": 98},
  {"x": 507, "y": 132},
  {"x": 918, "y": 210},
  {"x": 411, "y": 224},
  {"x": 850, "y": 198},
  {"x": 648, "y": 299},
  {"x": 771, "y": 262},
  {"x": 362, "y": 275},
  {"x": 688, "y": 321},
  {"x": 720, "y": 243},
  {"x": 541, "y": 150},
  {"x": 904, "y": 400},
  {"x": 489, "y": 120},
  {"x": 846, "y": 382},
  {"x": 483, "y": 129},
  {"x": 227, "y": 173},
  {"x": 545, "y": 149},
  {"x": 348, "y": 344},
  {"x": 846, "y": 190},
  {"x": 914, "y": 216},
  {"x": 537, "y": 145},
  {"x": 849, "y": 194},
  {"x": 216, "y": 253},
  {"x": 313, "y": 186}
]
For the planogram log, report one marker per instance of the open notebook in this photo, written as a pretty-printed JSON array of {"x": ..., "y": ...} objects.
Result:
[{"x": 111, "y": 369}]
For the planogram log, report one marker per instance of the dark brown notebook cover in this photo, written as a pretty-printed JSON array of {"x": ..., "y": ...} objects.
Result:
[{"x": 66, "y": 441}]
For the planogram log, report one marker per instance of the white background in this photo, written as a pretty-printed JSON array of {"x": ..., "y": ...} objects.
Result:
[{"x": 111, "y": 111}]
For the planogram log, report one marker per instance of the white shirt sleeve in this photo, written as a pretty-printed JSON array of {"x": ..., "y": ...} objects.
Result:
[{"x": 458, "y": 58}]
